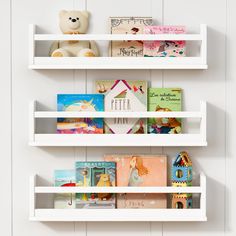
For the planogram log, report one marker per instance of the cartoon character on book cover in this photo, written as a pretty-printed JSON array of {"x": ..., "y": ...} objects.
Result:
[
  {"x": 64, "y": 178},
  {"x": 164, "y": 48},
  {"x": 128, "y": 25},
  {"x": 124, "y": 96},
  {"x": 100, "y": 174},
  {"x": 80, "y": 102},
  {"x": 140, "y": 170},
  {"x": 164, "y": 100}
]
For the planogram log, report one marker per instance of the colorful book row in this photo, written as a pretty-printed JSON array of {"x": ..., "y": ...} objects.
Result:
[{"x": 121, "y": 96}]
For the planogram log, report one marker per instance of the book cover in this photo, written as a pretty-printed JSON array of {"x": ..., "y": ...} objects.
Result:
[
  {"x": 64, "y": 178},
  {"x": 164, "y": 100},
  {"x": 164, "y": 48},
  {"x": 128, "y": 25},
  {"x": 100, "y": 174},
  {"x": 124, "y": 95},
  {"x": 83, "y": 103},
  {"x": 140, "y": 170}
]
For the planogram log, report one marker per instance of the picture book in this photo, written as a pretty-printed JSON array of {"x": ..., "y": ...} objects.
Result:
[
  {"x": 164, "y": 100},
  {"x": 124, "y": 95},
  {"x": 80, "y": 103},
  {"x": 64, "y": 178},
  {"x": 164, "y": 48},
  {"x": 100, "y": 174},
  {"x": 143, "y": 171},
  {"x": 128, "y": 25}
]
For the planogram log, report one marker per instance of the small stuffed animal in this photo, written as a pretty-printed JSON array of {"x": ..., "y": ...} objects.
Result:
[
  {"x": 74, "y": 22},
  {"x": 104, "y": 181}
]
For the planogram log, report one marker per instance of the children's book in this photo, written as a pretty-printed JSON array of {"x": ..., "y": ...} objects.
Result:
[
  {"x": 164, "y": 48},
  {"x": 164, "y": 100},
  {"x": 100, "y": 174},
  {"x": 128, "y": 25},
  {"x": 124, "y": 95},
  {"x": 80, "y": 103},
  {"x": 143, "y": 171},
  {"x": 64, "y": 178}
]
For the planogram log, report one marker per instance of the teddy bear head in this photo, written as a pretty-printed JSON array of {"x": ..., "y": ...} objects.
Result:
[{"x": 74, "y": 22}]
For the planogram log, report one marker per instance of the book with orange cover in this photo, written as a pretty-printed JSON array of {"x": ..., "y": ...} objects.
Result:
[{"x": 143, "y": 171}]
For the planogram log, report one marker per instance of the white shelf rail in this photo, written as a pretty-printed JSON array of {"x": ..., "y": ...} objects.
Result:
[
  {"x": 118, "y": 62},
  {"x": 185, "y": 139},
  {"x": 198, "y": 214}
]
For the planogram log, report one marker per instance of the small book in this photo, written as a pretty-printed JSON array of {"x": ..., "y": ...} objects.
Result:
[
  {"x": 124, "y": 96},
  {"x": 64, "y": 178},
  {"x": 95, "y": 173},
  {"x": 142, "y": 171},
  {"x": 80, "y": 103},
  {"x": 128, "y": 25},
  {"x": 164, "y": 48},
  {"x": 164, "y": 100}
]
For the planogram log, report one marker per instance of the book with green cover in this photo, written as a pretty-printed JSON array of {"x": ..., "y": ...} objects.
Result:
[{"x": 164, "y": 100}]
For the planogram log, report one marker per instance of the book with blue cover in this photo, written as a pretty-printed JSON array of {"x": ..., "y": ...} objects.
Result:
[
  {"x": 95, "y": 173},
  {"x": 80, "y": 103}
]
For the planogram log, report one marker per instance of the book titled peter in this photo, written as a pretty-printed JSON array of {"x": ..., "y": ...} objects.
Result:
[
  {"x": 128, "y": 25},
  {"x": 80, "y": 103},
  {"x": 164, "y": 100},
  {"x": 124, "y": 96}
]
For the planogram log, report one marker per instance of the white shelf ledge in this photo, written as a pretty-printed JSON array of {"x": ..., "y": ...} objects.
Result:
[
  {"x": 118, "y": 62},
  {"x": 198, "y": 214},
  {"x": 119, "y": 215},
  {"x": 119, "y": 140}
]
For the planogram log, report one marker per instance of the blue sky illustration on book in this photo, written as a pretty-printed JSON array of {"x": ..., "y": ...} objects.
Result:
[{"x": 83, "y": 103}]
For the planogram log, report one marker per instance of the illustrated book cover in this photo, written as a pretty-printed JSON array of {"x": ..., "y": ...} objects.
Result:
[
  {"x": 164, "y": 48},
  {"x": 143, "y": 171},
  {"x": 80, "y": 103},
  {"x": 124, "y": 95},
  {"x": 100, "y": 174},
  {"x": 164, "y": 100},
  {"x": 128, "y": 25},
  {"x": 64, "y": 178}
]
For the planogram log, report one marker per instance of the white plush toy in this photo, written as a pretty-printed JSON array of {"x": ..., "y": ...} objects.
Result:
[{"x": 74, "y": 22}]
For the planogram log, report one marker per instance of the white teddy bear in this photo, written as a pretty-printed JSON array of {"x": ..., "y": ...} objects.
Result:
[{"x": 74, "y": 22}]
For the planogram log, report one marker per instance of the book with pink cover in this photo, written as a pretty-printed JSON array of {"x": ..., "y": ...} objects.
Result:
[
  {"x": 164, "y": 48},
  {"x": 140, "y": 170}
]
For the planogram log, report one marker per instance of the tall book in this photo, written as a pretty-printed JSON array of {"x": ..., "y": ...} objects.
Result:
[
  {"x": 164, "y": 100},
  {"x": 80, "y": 103},
  {"x": 142, "y": 171},
  {"x": 128, "y": 25},
  {"x": 164, "y": 48},
  {"x": 64, "y": 178},
  {"x": 123, "y": 96},
  {"x": 100, "y": 174}
]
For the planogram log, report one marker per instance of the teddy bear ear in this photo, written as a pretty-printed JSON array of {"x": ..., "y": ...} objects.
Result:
[
  {"x": 62, "y": 13},
  {"x": 85, "y": 13}
]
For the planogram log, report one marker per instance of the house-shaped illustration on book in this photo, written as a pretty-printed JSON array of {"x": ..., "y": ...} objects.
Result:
[{"x": 124, "y": 96}]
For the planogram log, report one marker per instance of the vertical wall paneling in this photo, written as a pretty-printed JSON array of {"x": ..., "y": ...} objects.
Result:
[
  {"x": 5, "y": 135},
  {"x": 230, "y": 187}
]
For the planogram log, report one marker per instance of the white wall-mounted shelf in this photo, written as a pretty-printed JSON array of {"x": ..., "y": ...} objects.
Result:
[
  {"x": 118, "y": 62},
  {"x": 198, "y": 214},
  {"x": 198, "y": 139}
]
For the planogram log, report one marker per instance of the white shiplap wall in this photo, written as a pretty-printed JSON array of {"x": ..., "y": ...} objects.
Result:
[{"x": 20, "y": 85}]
